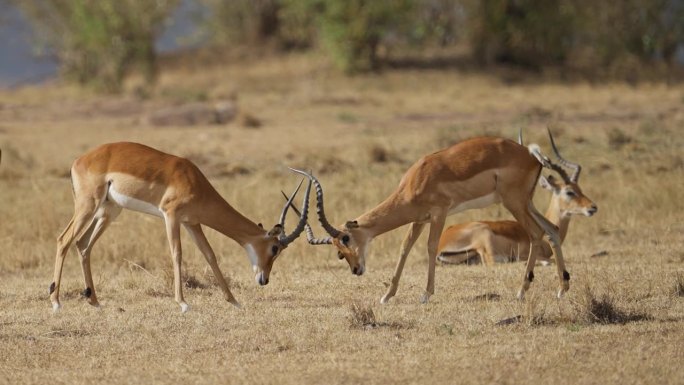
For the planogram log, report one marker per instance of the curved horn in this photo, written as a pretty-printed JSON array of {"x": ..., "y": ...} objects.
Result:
[
  {"x": 289, "y": 202},
  {"x": 333, "y": 232},
  {"x": 287, "y": 239},
  {"x": 520, "y": 138},
  {"x": 307, "y": 228},
  {"x": 574, "y": 166}
]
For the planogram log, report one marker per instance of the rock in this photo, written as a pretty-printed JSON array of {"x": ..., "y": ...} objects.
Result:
[{"x": 192, "y": 114}]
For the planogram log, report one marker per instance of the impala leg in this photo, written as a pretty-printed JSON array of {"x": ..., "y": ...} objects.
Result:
[
  {"x": 85, "y": 245},
  {"x": 410, "y": 238},
  {"x": 200, "y": 240},
  {"x": 173, "y": 234},
  {"x": 539, "y": 227},
  {"x": 552, "y": 237},
  {"x": 528, "y": 277},
  {"x": 436, "y": 227},
  {"x": 523, "y": 213},
  {"x": 83, "y": 216},
  {"x": 487, "y": 250},
  {"x": 457, "y": 258}
]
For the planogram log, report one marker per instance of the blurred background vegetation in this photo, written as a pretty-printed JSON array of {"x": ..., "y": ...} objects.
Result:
[{"x": 99, "y": 43}]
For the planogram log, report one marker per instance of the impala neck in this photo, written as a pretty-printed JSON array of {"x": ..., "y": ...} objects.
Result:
[
  {"x": 222, "y": 217},
  {"x": 386, "y": 216},
  {"x": 555, "y": 215}
]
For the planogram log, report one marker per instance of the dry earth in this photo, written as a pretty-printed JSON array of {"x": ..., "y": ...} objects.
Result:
[{"x": 622, "y": 321}]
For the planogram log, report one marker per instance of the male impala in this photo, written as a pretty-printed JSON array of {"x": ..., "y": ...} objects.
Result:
[
  {"x": 471, "y": 174},
  {"x": 139, "y": 178},
  {"x": 505, "y": 241}
]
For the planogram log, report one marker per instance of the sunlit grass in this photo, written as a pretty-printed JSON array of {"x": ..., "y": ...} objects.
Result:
[{"x": 315, "y": 322}]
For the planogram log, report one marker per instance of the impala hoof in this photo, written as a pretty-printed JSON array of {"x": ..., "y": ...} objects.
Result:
[
  {"x": 385, "y": 298},
  {"x": 521, "y": 295},
  {"x": 425, "y": 298},
  {"x": 236, "y": 303},
  {"x": 561, "y": 293},
  {"x": 55, "y": 307},
  {"x": 184, "y": 307}
]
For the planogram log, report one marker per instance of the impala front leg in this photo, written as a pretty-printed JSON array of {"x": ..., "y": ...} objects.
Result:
[
  {"x": 563, "y": 275},
  {"x": 410, "y": 239},
  {"x": 197, "y": 235},
  {"x": 436, "y": 227},
  {"x": 173, "y": 234},
  {"x": 552, "y": 237}
]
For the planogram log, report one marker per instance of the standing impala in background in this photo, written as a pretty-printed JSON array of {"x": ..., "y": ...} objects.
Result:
[
  {"x": 471, "y": 174},
  {"x": 507, "y": 240},
  {"x": 140, "y": 178}
]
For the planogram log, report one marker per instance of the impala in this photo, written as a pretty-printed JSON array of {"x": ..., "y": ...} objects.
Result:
[
  {"x": 471, "y": 174},
  {"x": 507, "y": 240},
  {"x": 139, "y": 178}
]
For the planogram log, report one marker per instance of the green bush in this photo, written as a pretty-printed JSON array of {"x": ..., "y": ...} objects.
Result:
[
  {"x": 606, "y": 38},
  {"x": 242, "y": 20},
  {"x": 623, "y": 38},
  {"x": 526, "y": 32},
  {"x": 288, "y": 23},
  {"x": 352, "y": 30},
  {"x": 99, "y": 42}
]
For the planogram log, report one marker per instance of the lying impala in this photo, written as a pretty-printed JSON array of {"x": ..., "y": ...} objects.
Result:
[
  {"x": 139, "y": 178},
  {"x": 471, "y": 174},
  {"x": 507, "y": 240}
]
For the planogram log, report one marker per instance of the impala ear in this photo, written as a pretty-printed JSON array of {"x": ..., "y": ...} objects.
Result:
[
  {"x": 351, "y": 225},
  {"x": 548, "y": 182},
  {"x": 276, "y": 230}
]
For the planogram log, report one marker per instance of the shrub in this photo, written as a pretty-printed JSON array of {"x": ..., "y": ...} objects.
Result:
[
  {"x": 100, "y": 42},
  {"x": 352, "y": 30},
  {"x": 529, "y": 32}
]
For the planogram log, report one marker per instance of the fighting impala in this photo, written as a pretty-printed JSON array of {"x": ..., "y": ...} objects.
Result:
[
  {"x": 474, "y": 173},
  {"x": 139, "y": 178},
  {"x": 507, "y": 240}
]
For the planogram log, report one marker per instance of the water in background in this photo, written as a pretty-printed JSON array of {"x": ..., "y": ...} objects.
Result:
[{"x": 21, "y": 64}]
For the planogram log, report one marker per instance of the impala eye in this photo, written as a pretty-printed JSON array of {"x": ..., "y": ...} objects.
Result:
[
  {"x": 274, "y": 249},
  {"x": 570, "y": 193},
  {"x": 345, "y": 239}
]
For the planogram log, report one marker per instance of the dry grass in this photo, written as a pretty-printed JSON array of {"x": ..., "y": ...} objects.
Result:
[
  {"x": 678, "y": 289},
  {"x": 315, "y": 322}
]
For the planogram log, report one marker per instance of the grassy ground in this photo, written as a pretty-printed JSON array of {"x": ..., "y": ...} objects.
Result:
[{"x": 621, "y": 322}]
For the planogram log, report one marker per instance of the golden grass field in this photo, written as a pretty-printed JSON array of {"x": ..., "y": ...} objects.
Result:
[{"x": 622, "y": 321}]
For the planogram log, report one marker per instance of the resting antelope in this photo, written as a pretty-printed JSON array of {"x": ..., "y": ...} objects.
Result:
[
  {"x": 474, "y": 173},
  {"x": 504, "y": 241},
  {"x": 140, "y": 178}
]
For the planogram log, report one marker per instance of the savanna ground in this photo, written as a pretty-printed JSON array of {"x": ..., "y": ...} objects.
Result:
[{"x": 621, "y": 322}]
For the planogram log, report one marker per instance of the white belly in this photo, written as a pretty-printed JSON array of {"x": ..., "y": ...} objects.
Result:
[
  {"x": 132, "y": 203},
  {"x": 477, "y": 203}
]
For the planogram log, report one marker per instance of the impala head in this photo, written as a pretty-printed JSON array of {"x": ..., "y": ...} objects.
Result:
[
  {"x": 568, "y": 197},
  {"x": 567, "y": 192},
  {"x": 351, "y": 242},
  {"x": 265, "y": 251}
]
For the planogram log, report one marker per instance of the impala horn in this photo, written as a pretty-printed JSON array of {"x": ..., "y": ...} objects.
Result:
[
  {"x": 287, "y": 239},
  {"x": 289, "y": 200},
  {"x": 574, "y": 166},
  {"x": 307, "y": 228},
  {"x": 333, "y": 232}
]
